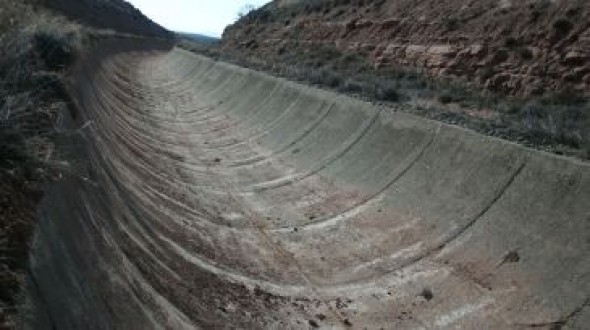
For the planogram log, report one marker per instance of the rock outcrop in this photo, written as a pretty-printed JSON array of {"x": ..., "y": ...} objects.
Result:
[{"x": 515, "y": 47}]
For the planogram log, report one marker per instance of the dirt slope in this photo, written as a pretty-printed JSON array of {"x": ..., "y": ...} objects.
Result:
[
  {"x": 40, "y": 47},
  {"x": 516, "y": 47}
]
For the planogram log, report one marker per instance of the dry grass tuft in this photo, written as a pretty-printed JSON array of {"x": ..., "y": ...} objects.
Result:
[{"x": 37, "y": 50}]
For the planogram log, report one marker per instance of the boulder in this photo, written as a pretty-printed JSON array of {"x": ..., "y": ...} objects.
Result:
[
  {"x": 476, "y": 50},
  {"x": 413, "y": 51},
  {"x": 439, "y": 56},
  {"x": 447, "y": 51},
  {"x": 392, "y": 49}
]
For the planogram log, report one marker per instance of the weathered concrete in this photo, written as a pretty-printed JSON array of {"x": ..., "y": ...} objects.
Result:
[{"x": 219, "y": 197}]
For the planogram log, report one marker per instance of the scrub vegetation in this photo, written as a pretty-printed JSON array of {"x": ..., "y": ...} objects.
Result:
[
  {"x": 37, "y": 50},
  {"x": 41, "y": 42},
  {"x": 518, "y": 70},
  {"x": 555, "y": 121}
]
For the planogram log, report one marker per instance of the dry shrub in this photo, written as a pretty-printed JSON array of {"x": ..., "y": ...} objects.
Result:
[{"x": 37, "y": 50}]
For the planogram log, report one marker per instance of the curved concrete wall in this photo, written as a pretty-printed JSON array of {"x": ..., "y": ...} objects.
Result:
[{"x": 219, "y": 197}]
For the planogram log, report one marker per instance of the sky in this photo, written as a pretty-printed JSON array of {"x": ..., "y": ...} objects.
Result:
[{"x": 208, "y": 17}]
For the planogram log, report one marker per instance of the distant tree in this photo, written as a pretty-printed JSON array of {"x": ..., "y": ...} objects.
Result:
[{"x": 245, "y": 10}]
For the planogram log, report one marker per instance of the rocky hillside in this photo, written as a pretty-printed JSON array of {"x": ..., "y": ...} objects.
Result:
[
  {"x": 524, "y": 48},
  {"x": 117, "y": 15}
]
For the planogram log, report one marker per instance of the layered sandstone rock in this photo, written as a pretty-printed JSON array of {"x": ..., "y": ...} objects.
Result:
[{"x": 520, "y": 48}]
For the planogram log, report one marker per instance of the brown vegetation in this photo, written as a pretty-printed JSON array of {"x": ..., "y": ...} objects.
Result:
[
  {"x": 35, "y": 56},
  {"x": 39, "y": 49}
]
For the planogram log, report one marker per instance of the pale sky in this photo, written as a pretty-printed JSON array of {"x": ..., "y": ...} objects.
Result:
[{"x": 208, "y": 17}]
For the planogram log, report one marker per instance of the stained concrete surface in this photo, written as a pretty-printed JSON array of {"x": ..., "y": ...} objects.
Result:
[{"x": 219, "y": 197}]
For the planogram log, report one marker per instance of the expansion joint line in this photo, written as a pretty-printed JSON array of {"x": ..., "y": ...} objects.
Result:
[
  {"x": 501, "y": 192},
  {"x": 256, "y": 221}
]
